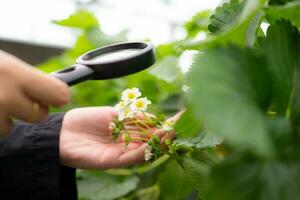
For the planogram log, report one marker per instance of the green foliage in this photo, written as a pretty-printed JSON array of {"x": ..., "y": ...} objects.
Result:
[
  {"x": 174, "y": 187},
  {"x": 225, "y": 15},
  {"x": 251, "y": 91},
  {"x": 239, "y": 138},
  {"x": 249, "y": 178},
  {"x": 229, "y": 99},
  {"x": 201, "y": 141},
  {"x": 240, "y": 31},
  {"x": 151, "y": 193},
  {"x": 288, "y": 11},
  {"x": 99, "y": 186},
  {"x": 81, "y": 19},
  {"x": 187, "y": 125},
  {"x": 167, "y": 69},
  {"x": 199, "y": 22},
  {"x": 280, "y": 49},
  {"x": 279, "y": 2}
]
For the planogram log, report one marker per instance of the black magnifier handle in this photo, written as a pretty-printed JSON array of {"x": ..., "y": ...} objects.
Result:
[{"x": 74, "y": 74}]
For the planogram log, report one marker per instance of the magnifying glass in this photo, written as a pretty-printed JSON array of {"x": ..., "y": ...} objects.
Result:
[{"x": 109, "y": 62}]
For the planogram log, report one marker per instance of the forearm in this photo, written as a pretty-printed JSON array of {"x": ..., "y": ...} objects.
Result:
[{"x": 29, "y": 161}]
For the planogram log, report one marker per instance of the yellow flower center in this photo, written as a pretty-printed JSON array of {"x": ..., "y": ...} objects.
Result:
[
  {"x": 139, "y": 104},
  {"x": 131, "y": 95},
  {"x": 126, "y": 111}
]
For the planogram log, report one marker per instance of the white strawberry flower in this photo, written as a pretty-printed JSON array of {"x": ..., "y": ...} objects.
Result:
[
  {"x": 125, "y": 113},
  {"x": 129, "y": 95},
  {"x": 121, "y": 105},
  {"x": 140, "y": 104},
  {"x": 168, "y": 125},
  {"x": 148, "y": 153}
]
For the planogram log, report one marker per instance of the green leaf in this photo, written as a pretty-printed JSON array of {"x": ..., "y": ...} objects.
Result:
[
  {"x": 237, "y": 32},
  {"x": 95, "y": 186},
  {"x": 82, "y": 45},
  {"x": 167, "y": 69},
  {"x": 99, "y": 39},
  {"x": 295, "y": 114},
  {"x": 202, "y": 141},
  {"x": 225, "y": 15},
  {"x": 253, "y": 29},
  {"x": 169, "y": 49},
  {"x": 199, "y": 22},
  {"x": 278, "y": 2},
  {"x": 172, "y": 105},
  {"x": 150, "y": 193},
  {"x": 187, "y": 125},
  {"x": 81, "y": 19},
  {"x": 229, "y": 91},
  {"x": 196, "y": 171},
  {"x": 282, "y": 137},
  {"x": 250, "y": 179},
  {"x": 280, "y": 47},
  {"x": 289, "y": 11},
  {"x": 174, "y": 187}
]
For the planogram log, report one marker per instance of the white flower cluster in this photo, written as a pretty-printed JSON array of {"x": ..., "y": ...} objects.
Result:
[{"x": 131, "y": 103}]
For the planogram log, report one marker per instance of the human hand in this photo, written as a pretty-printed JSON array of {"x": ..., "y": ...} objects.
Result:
[
  {"x": 22, "y": 88},
  {"x": 86, "y": 141}
]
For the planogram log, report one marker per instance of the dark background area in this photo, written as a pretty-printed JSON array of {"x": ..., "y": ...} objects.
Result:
[{"x": 31, "y": 53}]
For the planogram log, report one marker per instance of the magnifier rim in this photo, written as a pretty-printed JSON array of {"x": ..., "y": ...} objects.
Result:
[{"x": 81, "y": 60}]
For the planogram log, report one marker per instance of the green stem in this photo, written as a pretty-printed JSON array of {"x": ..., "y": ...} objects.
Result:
[
  {"x": 137, "y": 120},
  {"x": 143, "y": 122},
  {"x": 138, "y": 139},
  {"x": 139, "y": 133},
  {"x": 148, "y": 119},
  {"x": 142, "y": 129}
]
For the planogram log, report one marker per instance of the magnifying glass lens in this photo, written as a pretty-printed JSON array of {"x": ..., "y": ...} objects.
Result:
[
  {"x": 108, "y": 62},
  {"x": 116, "y": 55}
]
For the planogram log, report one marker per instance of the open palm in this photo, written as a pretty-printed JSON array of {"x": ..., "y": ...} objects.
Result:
[{"x": 86, "y": 141}]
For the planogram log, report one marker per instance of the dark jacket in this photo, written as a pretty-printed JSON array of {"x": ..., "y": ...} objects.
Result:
[{"x": 29, "y": 164}]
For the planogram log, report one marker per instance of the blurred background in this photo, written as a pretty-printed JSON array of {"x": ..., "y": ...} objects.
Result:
[
  {"x": 51, "y": 34},
  {"x": 27, "y": 24}
]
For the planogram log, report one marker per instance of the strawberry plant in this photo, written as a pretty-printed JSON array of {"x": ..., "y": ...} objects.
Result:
[{"x": 239, "y": 136}]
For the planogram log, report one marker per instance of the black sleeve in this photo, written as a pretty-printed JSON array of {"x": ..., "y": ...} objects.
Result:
[{"x": 29, "y": 163}]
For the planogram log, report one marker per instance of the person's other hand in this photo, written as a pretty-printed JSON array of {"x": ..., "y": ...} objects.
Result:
[
  {"x": 86, "y": 141},
  {"x": 22, "y": 89}
]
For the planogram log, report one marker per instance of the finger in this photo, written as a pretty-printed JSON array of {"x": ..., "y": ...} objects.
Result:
[
  {"x": 45, "y": 89},
  {"x": 177, "y": 116},
  {"x": 36, "y": 84},
  {"x": 143, "y": 115},
  {"x": 159, "y": 132},
  {"x": 148, "y": 117},
  {"x": 111, "y": 156},
  {"x": 27, "y": 110},
  {"x": 6, "y": 125},
  {"x": 132, "y": 157},
  {"x": 167, "y": 136}
]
